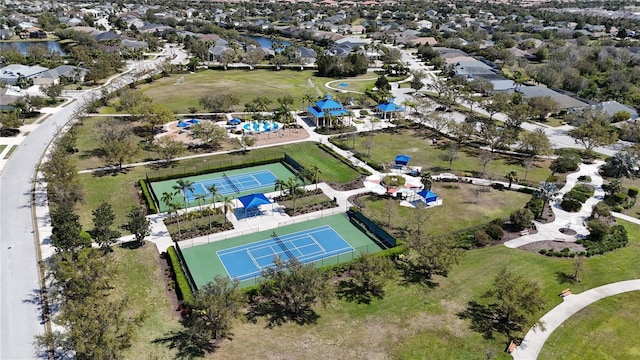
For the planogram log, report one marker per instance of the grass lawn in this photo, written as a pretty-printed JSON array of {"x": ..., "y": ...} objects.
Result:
[
  {"x": 417, "y": 144},
  {"x": 461, "y": 208},
  {"x": 120, "y": 192},
  {"x": 2, "y": 147},
  {"x": 607, "y": 329},
  {"x": 245, "y": 85},
  {"x": 140, "y": 279},
  {"x": 416, "y": 322}
]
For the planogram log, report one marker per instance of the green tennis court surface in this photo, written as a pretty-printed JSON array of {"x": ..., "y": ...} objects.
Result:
[
  {"x": 324, "y": 241},
  {"x": 234, "y": 183}
]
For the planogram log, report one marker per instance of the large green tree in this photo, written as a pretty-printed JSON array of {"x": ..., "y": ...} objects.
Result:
[
  {"x": 288, "y": 292},
  {"x": 595, "y": 131},
  {"x": 138, "y": 224},
  {"x": 102, "y": 233}
]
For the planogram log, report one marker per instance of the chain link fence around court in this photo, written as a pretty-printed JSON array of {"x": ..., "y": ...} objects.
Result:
[{"x": 329, "y": 261}]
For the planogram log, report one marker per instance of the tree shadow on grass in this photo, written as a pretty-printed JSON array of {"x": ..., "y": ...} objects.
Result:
[
  {"x": 563, "y": 278},
  {"x": 486, "y": 320},
  {"x": 352, "y": 292},
  {"x": 278, "y": 315},
  {"x": 189, "y": 344},
  {"x": 413, "y": 275}
]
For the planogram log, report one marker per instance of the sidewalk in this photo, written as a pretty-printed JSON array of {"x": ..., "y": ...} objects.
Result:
[
  {"x": 536, "y": 337},
  {"x": 563, "y": 219}
]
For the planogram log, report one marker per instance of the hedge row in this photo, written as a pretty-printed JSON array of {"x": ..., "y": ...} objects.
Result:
[
  {"x": 151, "y": 205},
  {"x": 333, "y": 153},
  {"x": 392, "y": 253},
  {"x": 219, "y": 169},
  {"x": 183, "y": 289}
]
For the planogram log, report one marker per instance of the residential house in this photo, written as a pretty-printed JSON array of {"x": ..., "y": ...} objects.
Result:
[
  {"x": 613, "y": 107},
  {"x": 7, "y": 98},
  {"x": 11, "y": 73},
  {"x": 565, "y": 101},
  {"x": 68, "y": 73}
]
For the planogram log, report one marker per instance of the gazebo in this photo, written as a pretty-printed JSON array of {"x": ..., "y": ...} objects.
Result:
[
  {"x": 388, "y": 108},
  {"x": 252, "y": 202},
  {"x": 428, "y": 196},
  {"x": 326, "y": 108}
]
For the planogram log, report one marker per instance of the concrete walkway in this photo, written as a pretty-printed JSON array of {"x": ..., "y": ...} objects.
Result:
[
  {"x": 563, "y": 219},
  {"x": 536, "y": 337}
]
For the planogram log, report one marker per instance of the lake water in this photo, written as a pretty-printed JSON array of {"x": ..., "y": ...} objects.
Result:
[
  {"x": 52, "y": 46},
  {"x": 265, "y": 42}
]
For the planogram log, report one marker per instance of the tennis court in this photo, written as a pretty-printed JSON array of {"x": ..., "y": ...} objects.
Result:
[
  {"x": 233, "y": 183},
  {"x": 247, "y": 261},
  {"x": 324, "y": 241}
]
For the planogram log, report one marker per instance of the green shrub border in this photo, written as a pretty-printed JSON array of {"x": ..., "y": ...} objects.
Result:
[
  {"x": 184, "y": 291},
  {"x": 151, "y": 205}
]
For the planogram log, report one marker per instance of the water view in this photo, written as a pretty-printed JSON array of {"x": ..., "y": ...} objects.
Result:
[
  {"x": 266, "y": 42},
  {"x": 22, "y": 46}
]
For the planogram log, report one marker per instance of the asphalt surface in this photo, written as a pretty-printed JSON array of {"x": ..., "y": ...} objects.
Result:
[{"x": 20, "y": 318}]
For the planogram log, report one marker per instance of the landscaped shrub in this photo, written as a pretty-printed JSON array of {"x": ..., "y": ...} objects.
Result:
[
  {"x": 584, "y": 178},
  {"x": 521, "y": 218},
  {"x": 567, "y": 161},
  {"x": 151, "y": 206},
  {"x": 495, "y": 231},
  {"x": 618, "y": 208},
  {"x": 580, "y": 192},
  {"x": 601, "y": 210},
  {"x": 618, "y": 198},
  {"x": 617, "y": 237},
  {"x": 633, "y": 192},
  {"x": 571, "y": 205},
  {"x": 536, "y": 205},
  {"x": 598, "y": 229},
  {"x": 498, "y": 186},
  {"x": 185, "y": 292},
  {"x": 481, "y": 238},
  {"x": 552, "y": 179}
]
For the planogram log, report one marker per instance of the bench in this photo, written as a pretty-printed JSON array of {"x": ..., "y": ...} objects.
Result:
[
  {"x": 511, "y": 348},
  {"x": 524, "y": 232},
  {"x": 565, "y": 292}
]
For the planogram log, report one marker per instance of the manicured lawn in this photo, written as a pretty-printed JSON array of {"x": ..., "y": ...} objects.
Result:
[
  {"x": 140, "y": 279},
  {"x": 416, "y": 322},
  {"x": 360, "y": 83},
  {"x": 2, "y": 147},
  {"x": 607, "y": 329},
  {"x": 245, "y": 85},
  {"x": 120, "y": 192},
  {"x": 466, "y": 206},
  {"x": 417, "y": 144}
]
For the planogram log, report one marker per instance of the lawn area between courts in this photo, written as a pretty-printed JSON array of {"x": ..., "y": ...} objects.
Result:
[
  {"x": 119, "y": 190},
  {"x": 463, "y": 206},
  {"x": 245, "y": 85},
  {"x": 417, "y": 144},
  {"x": 606, "y": 329},
  {"x": 251, "y": 180},
  {"x": 217, "y": 258},
  {"x": 409, "y": 322}
]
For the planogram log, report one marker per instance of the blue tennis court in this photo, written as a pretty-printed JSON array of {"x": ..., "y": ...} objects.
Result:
[
  {"x": 247, "y": 261},
  {"x": 233, "y": 184}
]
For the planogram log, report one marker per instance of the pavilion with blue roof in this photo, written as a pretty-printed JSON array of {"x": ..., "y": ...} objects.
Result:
[
  {"x": 388, "y": 109},
  {"x": 326, "y": 108}
]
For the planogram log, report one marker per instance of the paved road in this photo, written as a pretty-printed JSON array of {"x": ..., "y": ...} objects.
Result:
[
  {"x": 19, "y": 275},
  {"x": 20, "y": 319},
  {"x": 536, "y": 337}
]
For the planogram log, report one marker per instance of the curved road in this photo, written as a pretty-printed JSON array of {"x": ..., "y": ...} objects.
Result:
[
  {"x": 20, "y": 318},
  {"x": 20, "y": 313},
  {"x": 536, "y": 337}
]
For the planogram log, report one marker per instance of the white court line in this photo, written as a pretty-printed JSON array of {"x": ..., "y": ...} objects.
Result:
[
  {"x": 317, "y": 243},
  {"x": 254, "y": 260}
]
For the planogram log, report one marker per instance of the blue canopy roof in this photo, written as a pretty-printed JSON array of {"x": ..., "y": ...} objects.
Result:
[
  {"x": 402, "y": 159},
  {"x": 326, "y": 107},
  {"x": 389, "y": 106},
  {"x": 428, "y": 195},
  {"x": 253, "y": 200},
  {"x": 235, "y": 121}
]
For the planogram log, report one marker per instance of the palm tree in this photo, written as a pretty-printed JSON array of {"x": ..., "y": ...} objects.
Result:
[
  {"x": 623, "y": 164},
  {"x": 547, "y": 191},
  {"x": 316, "y": 171},
  {"x": 182, "y": 186},
  {"x": 292, "y": 185},
  {"x": 511, "y": 177},
  {"x": 426, "y": 180},
  {"x": 213, "y": 192},
  {"x": 167, "y": 199},
  {"x": 227, "y": 205},
  {"x": 280, "y": 185},
  {"x": 307, "y": 100},
  {"x": 200, "y": 199},
  {"x": 175, "y": 207}
]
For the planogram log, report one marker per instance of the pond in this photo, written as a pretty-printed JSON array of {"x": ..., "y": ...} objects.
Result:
[
  {"x": 22, "y": 46},
  {"x": 265, "y": 42}
]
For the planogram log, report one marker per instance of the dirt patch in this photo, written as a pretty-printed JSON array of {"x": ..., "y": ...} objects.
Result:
[
  {"x": 280, "y": 136},
  {"x": 351, "y": 185},
  {"x": 555, "y": 245}
]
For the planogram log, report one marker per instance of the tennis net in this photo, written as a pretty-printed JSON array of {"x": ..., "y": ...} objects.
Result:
[
  {"x": 233, "y": 186},
  {"x": 284, "y": 248}
]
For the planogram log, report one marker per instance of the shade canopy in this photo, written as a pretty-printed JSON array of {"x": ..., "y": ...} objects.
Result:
[
  {"x": 235, "y": 121},
  {"x": 253, "y": 200},
  {"x": 402, "y": 159},
  {"x": 182, "y": 124},
  {"x": 428, "y": 196}
]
